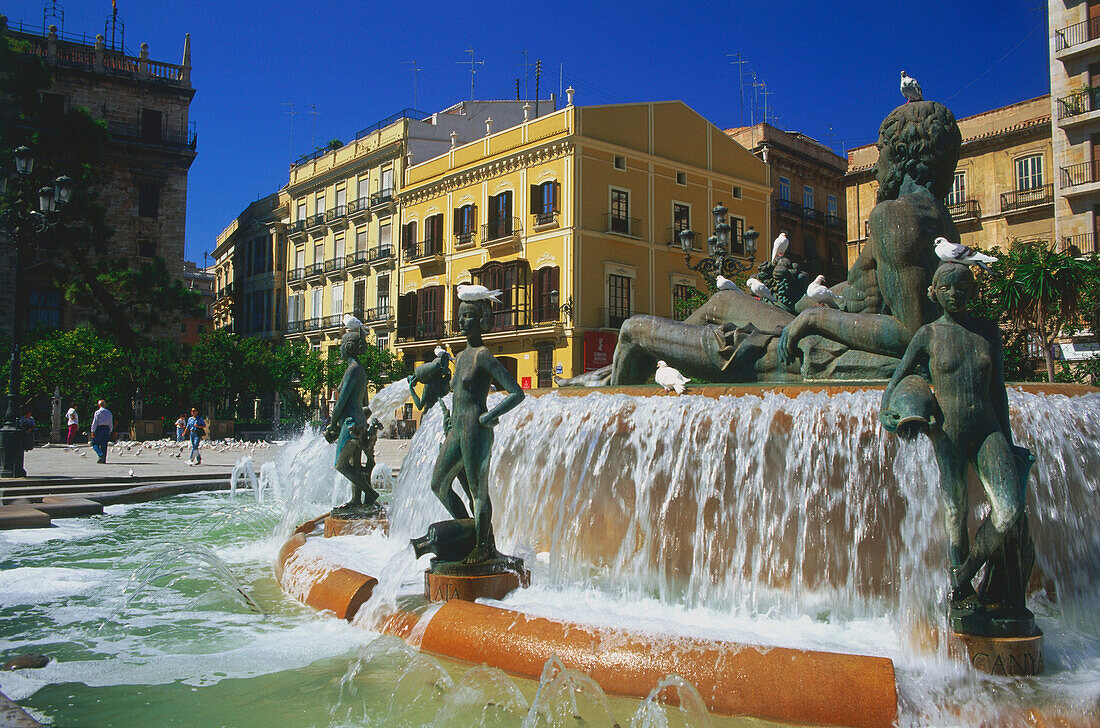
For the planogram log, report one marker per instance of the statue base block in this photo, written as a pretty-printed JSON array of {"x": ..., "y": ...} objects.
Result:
[
  {"x": 1016, "y": 656},
  {"x": 357, "y": 526},
  {"x": 444, "y": 587}
]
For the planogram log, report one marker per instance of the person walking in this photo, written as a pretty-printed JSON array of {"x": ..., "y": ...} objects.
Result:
[
  {"x": 73, "y": 420},
  {"x": 181, "y": 428},
  {"x": 103, "y": 424},
  {"x": 196, "y": 427}
]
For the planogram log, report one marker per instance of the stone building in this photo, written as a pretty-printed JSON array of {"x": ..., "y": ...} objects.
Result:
[
  {"x": 143, "y": 181},
  {"x": 1074, "y": 104},
  {"x": 807, "y": 181},
  {"x": 1003, "y": 187},
  {"x": 201, "y": 280}
]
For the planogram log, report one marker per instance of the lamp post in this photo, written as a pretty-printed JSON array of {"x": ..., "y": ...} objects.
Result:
[
  {"x": 20, "y": 223},
  {"x": 566, "y": 309},
  {"x": 720, "y": 260}
]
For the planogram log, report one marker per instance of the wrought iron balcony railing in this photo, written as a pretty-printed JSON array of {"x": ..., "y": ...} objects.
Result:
[
  {"x": 464, "y": 238},
  {"x": 359, "y": 257},
  {"x": 965, "y": 210},
  {"x": 834, "y": 221},
  {"x": 295, "y": 274},
  {"x": 336, "y": 213},
  {"x": 1023, "y": 199},
  {"x": 1079, "y": 102},
  {"x": 136, "y": 131},
  {"x": 314, "y": 220},
  {"x": 295, "y": 227},
  {"x": 385, "y": 252},
  {"x": 359, "y": 207},
  {"x": 335, "y": 265},
  {"x": 382, "y": 197},
  {"x": 1080, "y": 174},
  {"x": 332, "y": 321},
  {"x": 424, "y": 328},
  {"x": 378, "y": 313},
  {"x": 1082, "y": 244},
  {"x": 809, "y": 213},
  {"x": 546, "y": 218},
  {"x": 499, "y": 229},
  {"x": 423, "y": 249},
  {"x": 788, "y": 207},
  {"x": 1076, "y": 34},
  {"x": 315, "y": 269},
  {"x": 631, "y": 226}
]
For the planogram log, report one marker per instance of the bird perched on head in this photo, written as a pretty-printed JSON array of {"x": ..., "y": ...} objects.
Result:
[
  {"x": 475, "y": 292},
  {"x": 957, "y": 253},
  {"x": 351, "y": 323},
  {"x": 725, "y": 284},
  {"x": 910, "y": 89},
  {"x": 820, "y": 293},
  {"x": 669, "y": 378},
  {"x": 779, "y": 247},
  {"x": 759, "y": 290},
  {"x": 440, "y": 352}
]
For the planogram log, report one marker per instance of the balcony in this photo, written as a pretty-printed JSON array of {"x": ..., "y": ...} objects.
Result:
[
  {"x": 359, "y": 209},
  {"x": 1020, "y": 200},
  {"x": 315, "y": 224},
  {"x": 382, "y": 255},
  {"x": 809, "y": 213},
  {"x": 1073, "y": 108},
  {"x": 464, "y": 239},
  {"x": 315, "y": 270},
  {"x": 613, "y": 318},
  {"x": 965, "y": 210},
  {"x": 296, "y": 230},
  {"x": 336, "y": 218},
  {"x": 786, "y": 207},
  {"x": 426, "y": 251},
  {"x": 834, "y": 221},
  {"x": 378, "y": 314},
  {"x": 547, "y": 316},
  {"x": 629, "y": 226},
  {"x": 499, "y": 232},
  {"x": 382, "y": 202},
  {"x": 295, "y": 276},
  {"x": 302, "y": 326},
  {"x": 1075, "y": 36},
  {"x": 184, "y": 140},
  {"x": 335, "y": 268},
  {"x": 1079, "y": 245},
  {"x": 356, "y": 260},
  {"x": 546, "y": 220},
  {"x": 427, "y": 328},
  {"x": 332, "y": 321}
]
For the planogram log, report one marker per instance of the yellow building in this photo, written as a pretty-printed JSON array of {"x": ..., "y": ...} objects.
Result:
[
  {"x": 1003, "y": 187},
  {"x": 574, "y": 217}
]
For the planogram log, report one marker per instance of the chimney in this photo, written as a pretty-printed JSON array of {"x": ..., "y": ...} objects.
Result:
[
  {"x": 527, "y": 112},
  {"x": 488, "y": 126},
  {"x": 454, "y": 138},
  {"x": 569, "y": 96}
]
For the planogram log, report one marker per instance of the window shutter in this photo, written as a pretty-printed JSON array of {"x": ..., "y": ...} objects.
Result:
[
  {"x": 507, "y": 204},
  {"x": 557, "y": 198},
  {"x": 536, "y": 200},
  {"x": 458, "y": 221}
]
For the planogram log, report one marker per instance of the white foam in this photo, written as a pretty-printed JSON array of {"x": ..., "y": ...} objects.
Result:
[{"x": 35, "y": 584}]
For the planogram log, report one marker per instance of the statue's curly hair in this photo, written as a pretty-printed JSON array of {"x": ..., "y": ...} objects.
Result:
[
  {"x": 923, "y": 140},
  {"x": 355, "y": 341}
]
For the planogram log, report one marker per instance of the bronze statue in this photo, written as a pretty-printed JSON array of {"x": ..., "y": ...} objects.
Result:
[
  {"x": 737, "y": 338},
  {"x": 969, "y": 426},
  {"x": 436, "y": 378},
  {"x": 468, "y": 441},
  {"x": 354, "y": 431}
]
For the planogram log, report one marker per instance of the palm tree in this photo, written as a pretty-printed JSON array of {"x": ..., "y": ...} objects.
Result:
[{"x": 1039, "y": 289}]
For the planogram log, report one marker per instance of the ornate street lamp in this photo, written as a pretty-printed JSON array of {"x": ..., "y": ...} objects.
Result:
[
  {"x": 566, "y": 309},
  {"x": 20, "y": 223},
  {"x": 720, "y": 260}
]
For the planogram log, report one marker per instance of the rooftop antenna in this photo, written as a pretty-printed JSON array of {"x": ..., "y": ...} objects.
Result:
[
  {"x": 53, "y": 10},
  {"x": 291, "y": 113},
  {"x": 315, "y": 113},
  {"x": 740, "y": 63},
  {"x": 829, "y": 135},
  {"x": 525, "y": 67},
  {"x": 114, "y": 30},
  {"x": 473, "y": 70},
  {"x": 416, "y": 70},
  {"x": 538, "y": 77}
]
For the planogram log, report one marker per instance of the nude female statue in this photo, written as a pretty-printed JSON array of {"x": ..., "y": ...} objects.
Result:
[
  {"x": 352, "y": 428},
  {"x": 468, "y": 441},
  {"x": 964, "y": 358}
]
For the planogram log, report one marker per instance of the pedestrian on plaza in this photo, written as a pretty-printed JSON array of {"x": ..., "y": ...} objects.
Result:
[
  {"x": 73, "y": 419},
  {"x": 26, "y": 424},
  {"x": 181, "y": 428},
  {"x": 196, "y": 427},
  {"x": 103, "y": 424}
]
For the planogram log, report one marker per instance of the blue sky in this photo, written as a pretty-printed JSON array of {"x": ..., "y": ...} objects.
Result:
[{"x": 831, "y": 68}]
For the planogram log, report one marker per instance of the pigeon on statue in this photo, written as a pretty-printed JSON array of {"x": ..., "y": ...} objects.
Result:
[
  {"x": 759, "y": 290},
  {"x": 351, "y": 323},
  {"x": 910, "y": 89},
  {"x": 779, "y": 247},
  {"x": 669, "y": 378},
  {"x": 957, "y": 253},
  {"x": 819, "y": 293},
  {"x": 725, "y": 284},
  {"x": 439, "y": 351},
  {"x": 475, "y": 292}
]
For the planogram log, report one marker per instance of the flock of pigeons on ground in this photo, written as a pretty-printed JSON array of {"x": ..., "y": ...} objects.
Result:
[{"x": 171, "y": 448}]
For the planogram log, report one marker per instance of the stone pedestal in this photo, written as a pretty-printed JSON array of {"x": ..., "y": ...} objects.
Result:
[
  {"x": 341, "y": 524},
  {"x": 444, "y": 587},
  {"x": 1014, "y": 656}
]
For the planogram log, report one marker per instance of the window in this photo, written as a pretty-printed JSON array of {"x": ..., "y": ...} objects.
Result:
[
  {"x": 429, "y": 313},
  {"x": 1029, "y": 172},
  {"x": 294, "y": 307},
  {"x": 301, "y": 209},
  {"x": 150, "y": 125},
  {"x": 359, "y": 297},
  {"x": 511, "y": 279},
  {"x": 784, "y": 189},
  {"x": 957, "y": 195},
  {"x": 681, "y": 220},
  {"x": 465, "y": 224},
  {"x": 681, "y": 294},
  {"x": 146, "y": 248},
  {"x": 620, "y": 211},
  {"x": 319, "y": 253},
  {"x": 737, "y": 236},
  {"x": 318, "y": 294},
  {"x": 385, "y": 235},
  {"x": 383, "y": 297},
  {"x": 44, "y": 310},
  {"x": 408, "y": 235},
  {"x": 300, "y": 257},
  {"x": 500, "y": 216},
  {"x": 337, "y": 299},
  {"x": 433, "y": 232},
  {"x": 544, "y": 367},
  {"x": 361, "y": 238},
  {"x": 546, "y": 290},
  {"x": 319, "y": 204},
  {"x": 338, "y": 244},
  {"x": 148, "y": 199},
  {"x": 736, "y": 193},
  {"x": 382, "y": 341},
  {"x": 682, "y": 178},
  {"x": 387, "y": 182},
  {"x": 341, "y": 197},
  {"x": 544, "y": 202},
  {"x": 808, "y": 197},
  {"x": 618, "y": 300},
  {"x": 620, "y": 162},
  {"x": 362, "y": 189},
  {"x": 831, "y": 206}
]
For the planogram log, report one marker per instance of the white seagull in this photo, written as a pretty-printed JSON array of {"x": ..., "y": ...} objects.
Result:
[
  {"x": 439, "y": 351},
  {"x": 475, "y": 292},
  {"x": 820, "y": 293},
  {"x": 725, "y": 284},
  {"x": 910, "y": 89},
  {"x": 956, "y": 253},
  {"x": 779, "y": 247},
  {"x": 351, "y": 323},
  {"x": 759, "y": 290},
  {"x": 670, "y": 378}
]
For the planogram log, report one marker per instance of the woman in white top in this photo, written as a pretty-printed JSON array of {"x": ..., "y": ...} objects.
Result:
[{"x": 74, "y": 423}]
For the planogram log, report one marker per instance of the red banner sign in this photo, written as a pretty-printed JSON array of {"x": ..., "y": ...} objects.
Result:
[{"x": 599, "y": 346}]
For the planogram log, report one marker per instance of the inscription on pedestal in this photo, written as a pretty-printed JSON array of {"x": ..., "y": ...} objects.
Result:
[{"x": 1010, "y": 656}]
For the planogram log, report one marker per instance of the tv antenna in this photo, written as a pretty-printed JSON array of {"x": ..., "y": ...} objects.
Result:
[
  {"x": 473, "y": 70},
  {"x": 314, "y": 113},
  {"x": 291, "y": 113},
  {"x": 53, "y": 10},
  {"x": 525, "y": 66},
  {"x": 415, "y": 70},
  {"x": 740, "y": 63},
  {"x": 114, "y": 30}
]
